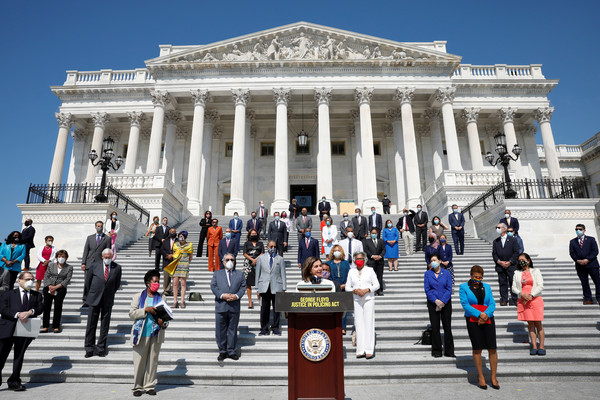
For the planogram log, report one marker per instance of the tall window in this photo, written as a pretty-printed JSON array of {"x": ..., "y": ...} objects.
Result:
[
  {"x": 377, "y": 148},
  {"x": 338, "y": 148},
  {"x": 228, "y": 149},
  {"x": 267, "y": 149}
]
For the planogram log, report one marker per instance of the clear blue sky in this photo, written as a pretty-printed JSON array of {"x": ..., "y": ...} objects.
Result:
[{"x": 43, "y": 39}]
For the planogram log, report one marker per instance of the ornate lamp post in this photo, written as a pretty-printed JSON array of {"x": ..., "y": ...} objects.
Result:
[
  {"x": 105, "y": 163},
  {"x": 504, "y": 159}
]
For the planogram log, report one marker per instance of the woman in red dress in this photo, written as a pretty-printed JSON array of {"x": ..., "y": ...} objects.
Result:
[{"x": 45, "y": 256}]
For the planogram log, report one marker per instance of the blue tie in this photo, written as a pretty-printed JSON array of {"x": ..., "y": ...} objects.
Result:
[
  {"x": 350, "y": 251},
  {"x": 271, "y": 262}
]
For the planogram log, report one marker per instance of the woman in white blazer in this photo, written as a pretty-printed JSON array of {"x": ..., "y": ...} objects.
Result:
[
  {"x": 329, "y": 233},
  {"x": 112, "y": 228},
  {"x": 363, "y": 282},
  {"x": 528, "y": 284}
]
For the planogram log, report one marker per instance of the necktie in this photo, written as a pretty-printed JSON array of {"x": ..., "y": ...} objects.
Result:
[
  {"x": 227, "y": 242},
  {"x": 307, "y": 243},
  {"x": 25, "y": 302},
  {"x": 97, "y": 239},
  {"x": 350, "y": 250},
  {"x": 375, "y": 242},
  {"x": 106, "y": 271},
  {"x": 229, "y": 275},
  {"x": 405, "y": 224},
  {"x": 261, "y": 213},
  {"x": 271, "y": 262},
  {"x": 253, "y": 224},
  {"x": 581, "y": 242}
]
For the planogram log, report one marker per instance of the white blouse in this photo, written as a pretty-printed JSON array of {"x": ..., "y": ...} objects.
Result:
[{"x": 363, "y": 279}]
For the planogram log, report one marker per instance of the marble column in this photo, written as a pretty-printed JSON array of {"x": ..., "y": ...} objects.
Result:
[
  {"x": 250, "y": 115},
  {"x": 433, "y": 116},
  {"x": 79, "y": 158},
  {"x": 446, "y": 96},
  {"x": 543, "y": 116},
  {"x": 413, "y": 180},
  {"x": 324, "y": 167},
  {"x": 507, "y": 116},
  {"x": 530, "y": 148},
  {"x": 355, "y": 115},
  {"x": 369, "y": 175},
  {"x": 281, "y": 200},
  {"x": 471, "y": 115},
  {"x": 195, "y": 172},
  {"x": 172, "y": 118},
  {"x": 241, "y": 97},
  {"x": 58, "y": 161},
  {"x": 212, "y": 190},
  {"x": 160, "y": 101},
  {"x": 133, "y": 145},
  {"x": 210, "y": 118},
  {"x": 395, "y": 115},
  {"x": 100, "y": 120}
]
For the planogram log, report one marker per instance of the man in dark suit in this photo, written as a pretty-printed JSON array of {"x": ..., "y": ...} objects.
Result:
[
  {"x": 375, "y": 221},
  {"x": 457, "y": 223},
  {"x": 505, "y": 252},
  {"x": 20, "y": 304},
  {"x": 278, "y": 233},
  {"x": 406, "y": 227},
  {"x": 324, "y": 208},
  {"x": 227, "y": 245},
  {"x": 228, "y": 286},
  {"x": 420, "y": 221},
  {"x": 27, "y": 237},
  {"x": 510, "y": 222},
  {"x": 584, "y": 251},
  {"x": 303, "y": 222},
  {"x": 375, "y": 249},
  {"x": 104, "y": 279},
  {"x": 307, "y": 247},
  {"x": 254, "y": 223},
  {"x": 92, "y": 252},
  {"x": 160, "y": 234},
  {"x": 360, "y": 225},
  {"x": 166, "y": 249},
  {"x": 236, "y": 225}
]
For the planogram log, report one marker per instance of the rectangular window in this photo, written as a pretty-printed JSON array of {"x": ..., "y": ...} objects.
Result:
[
  {"x": 338, "y": 148},
  {"x": 598, "y": 188},
  {"x": 482, "y": 144},
  {"x": 124, "y": 153},
  {"x": 162, "y": 150},
  {"x": 302, "y": 149},
  {"x": 228, "y": 149},
  {"x": 267, "y": 149},
  {"x": 444, "y": 147},
  {"x": 377, "y": 148}
]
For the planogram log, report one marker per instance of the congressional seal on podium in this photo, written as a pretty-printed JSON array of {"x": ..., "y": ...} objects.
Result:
[{"x": 315, "y": 345}]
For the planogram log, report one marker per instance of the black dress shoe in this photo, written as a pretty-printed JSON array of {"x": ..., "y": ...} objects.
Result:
[
  {"x": 484, "y": 387},
  {"x": 503, "y": 303},
  {"x": 497, "y": 387},
  {"x": 89, "y": 354},
  {"x": 137, "y": 393},
  {"x": 276, "y": 332},
  {"x": 436, "y": 355},
  {"x": 363, "y": 355},
  {"x": 101, "y": 354},
  {"x": 234, "y": 357},
  {"x": 450, "y": 355},
  {"x": 263, "y": 333},
  {"x": 221, "y": 357},
  {"x": 17, "y": 388},
  {"x": 151, "y": 392}
]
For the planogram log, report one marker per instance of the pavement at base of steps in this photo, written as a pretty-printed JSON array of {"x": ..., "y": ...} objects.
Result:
[{"x": 581, "y": 390}]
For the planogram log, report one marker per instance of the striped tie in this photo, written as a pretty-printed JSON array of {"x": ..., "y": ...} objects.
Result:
[
  {"x": 106, "y": 271},
  {"x": 580, "y": 242}
]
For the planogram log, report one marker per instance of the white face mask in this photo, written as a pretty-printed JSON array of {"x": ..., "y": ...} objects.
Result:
[
  {"x": 507, "y": 216},
  {"x": 350, "y": 234},
  {"x": 498, "y": 231},
  {"x": 106, "y": 261},
  {"x": 337, "y": 254},
  {"x": 229, "y": 264},
  {"x": 61, "y": 260},
  {"x": 28, "y": 285}
]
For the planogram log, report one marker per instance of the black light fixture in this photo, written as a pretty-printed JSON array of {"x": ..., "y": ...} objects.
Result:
[
  {"x": 302, "y": 135},
  {"x": 504, "y": 158},
  {"x": 105, "y": 163}
]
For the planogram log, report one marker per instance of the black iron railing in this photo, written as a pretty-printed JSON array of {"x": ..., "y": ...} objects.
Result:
[
  {"x": 566, "y": 188},
  {"x": 84, "y": 193}
]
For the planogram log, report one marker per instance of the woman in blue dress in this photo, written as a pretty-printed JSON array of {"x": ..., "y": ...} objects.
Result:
[{"x": 391, "y": 237}]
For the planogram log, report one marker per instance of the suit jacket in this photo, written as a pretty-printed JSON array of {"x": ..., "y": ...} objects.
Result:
[
  {"x": 324, "y": 207},
  {"x": 514, "y": 223},
  {"x": 266, "y": 211},
  {"x": 100, "y": 289},
  {"x": 165, "y": 249},
  {"x": 27, "y": 236},
  {"x": 468, "y": 299},
  {"x": 421, "y": 219},
  {"x": 214, "y": 235},
  {"x": 378, "y": 222},
  {"x": 371, "y": 249},
  {"x": 18, "y": 253},
  {"x": 343, "y": 226},
  {"x": 233, "y": 247},
  {"x": 589, "y": 251},
  {"x": 250, "y": 223},
  {"x": 278, "y": 235},
  {"x": 409, "y": 222},
  {"x": 220, "y": 285},
  {"x": 510, "y": 251},
  {"x": 445, "y": 253},
  {"x": 92, "y": 252},
  {"x": 53, "y": 278},
  {"x": 237, "y": 225},
  {"x": 267, "y": 276},
  {"x": 360, "y": 230},
  {"x": 300, "y": 224},
  {"x": 304, "y": 252},
  {"x": 455, "y": 220},
  {"x": 159, "y": 235},
  {"x": 294, "y": 210},
  {"x": 11, "y": 303}
]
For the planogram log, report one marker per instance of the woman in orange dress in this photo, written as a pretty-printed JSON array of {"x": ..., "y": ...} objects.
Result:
[
  {"x": 528, "y": 285},
  {"x": 323, "y": 223}
]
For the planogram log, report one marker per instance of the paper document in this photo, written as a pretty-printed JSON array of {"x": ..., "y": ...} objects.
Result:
[{"x": 30, "y": 329}]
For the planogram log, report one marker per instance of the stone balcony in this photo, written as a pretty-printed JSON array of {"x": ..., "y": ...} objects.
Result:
[
  {"x": 108, "y": 77},
  {"x": 498, "y": 71},
  {"x": 565, "y": 152}
]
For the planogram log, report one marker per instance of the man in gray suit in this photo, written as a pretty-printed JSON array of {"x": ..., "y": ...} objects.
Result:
[
  {"x": 360, "y": 225},
  {"x": 92, "y": 252},
  {"x": 270, "y": 279},
  {"x": 228, "y": 286},
  {"x": 346, "y": 222},
  {"x": 262, "y": 213},
  {"x": 103, "y": 279},
  {"x": 302, "y": 222}
]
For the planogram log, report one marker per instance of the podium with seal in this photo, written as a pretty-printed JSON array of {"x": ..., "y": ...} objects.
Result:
[{"x": 315, "y": 343}]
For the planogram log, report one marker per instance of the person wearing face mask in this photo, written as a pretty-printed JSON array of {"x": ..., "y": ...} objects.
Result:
[
  {"x": 511, "y": 233},
  {"x": 278, "y": 233},
  {"x": 167, "y": 253},
  {"x": 438, "y": 290},
  {"x": 528, "y": 285},
  {"x": 294, "y": 210},
  {"x": 270, "y": 279},
  {"x": 375, "y": 221},
  {"x": 477, "y": 299},
  {"x": 236, "y": 225},
  {"x": 324, "y": 208},
  {"x": 445, "y": 253},
  {"x": 205, "y": 223},
  {"x": 510, "y": 222},
  {"x": 391, "y": 236},
  {"x": 12, "y": 253},
  {"x": 252, "y": 249},
  {"x": 363, "y": 283},
  {"x": 150, "y": 234},
  {"x": 432, "y": 248},
  {"x": 360, "y": 225},
  {"x": 213, "y": 238},
  {"x": 103, "y": 279},
  {"x": 375, "y": 249},
  {"x": 583, "y": 250},
  {"x": 254, "y": 223},
  {"x": 329, "y": 235},
  {"x": 45, "y": 256},
  {"x": 386, "y": 202},
  {"x": 351, "y": 245},
  {"x": 339, "y": 267},
  {"x": 307, "y": 247},
  {"x": 337, "y": 288},
  {"x": 92, "y": 252},
  {"x": 112, "y": 228},
  {"x": 18, "y": 304},
  {"x": 303, "y": 222},
  {"x": 457, "y": 222},
  {"x": 312, "y": 273},
  {"x": 437, "y": 226},
  {"x": 227, "y": 245},
  {"x": 420, "y": 220},
  {"x": 56, "y": 279},
  {"x": 179, "y": 268},
  {"x": 147, "y": 334},
  {"x": 27, "y": 238},
  {"x": 346, "y": 222},
  {"x": 406, "y": 227},
  {"x": 262, "y": 213},
  {"x": 505, "y": 252},
  {"x": 160, "y": 235},
  {"x": 228, "y": 286}
]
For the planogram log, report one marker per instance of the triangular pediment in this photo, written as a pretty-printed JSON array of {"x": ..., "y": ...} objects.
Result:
[{"x": 304, "y": 43}]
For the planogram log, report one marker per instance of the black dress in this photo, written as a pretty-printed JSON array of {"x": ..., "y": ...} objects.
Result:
[
  {"x": 249, "y": 269},
  {"x": 481, "y": 336},
  {"x": 205, "y": 223}
]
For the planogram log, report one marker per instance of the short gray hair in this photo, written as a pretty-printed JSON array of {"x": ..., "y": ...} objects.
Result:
[
  {"x": 107, "y": 251},
  {"x": 358, "y": 253},
  {"x": 23, "y": 273},
  {"x": 228, "y": 254},
  {"x": 503, "y": 225}
]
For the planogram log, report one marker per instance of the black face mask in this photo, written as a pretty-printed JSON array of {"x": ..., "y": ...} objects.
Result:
[
  {"x": 315, "y": 279},
  {"x": 254, "y": 238},
  {"x": 431, "y": 240},
  {"x": 173, "y": 235},
  {"x": 16, "y": 239}
]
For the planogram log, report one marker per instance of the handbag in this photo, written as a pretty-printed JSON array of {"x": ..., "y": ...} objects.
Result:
[
  {"x": 195, "y": 296},
  {"x": 425, "y": 337}
]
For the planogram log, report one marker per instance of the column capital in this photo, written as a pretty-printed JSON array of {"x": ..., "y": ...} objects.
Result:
[
  {"x": 211, "y": 116},
  {"x": 323, "y": 95},
  {"x": 445, "y": 95},
  {"x": 355, "y": 115},
  {"x": 181, "y": 133},
  {"x": 136, "y": 118},
  {"x": 352, "y": 130},
  {"x": 528, "y": 129},
  {"x": 160, "y": 98},
  {"x": 200, "y": 97},
  {"x": 394, "y": 114},
  {"x": 423, "y": 130},
  {"x": 78, "y": 134},
  {"x": 250, "y": 115},
  {"x": 240, "y": 96},
  {"x": 543, "y": 114},
  {"x": 507, "y": 114},
  {"x": 172, "y": 117},
  {"x": 100, "y": 119},
  {"x": 64, "y": 120},
  {"x": 281, "y": 96},
  {"x": 432, "y": 114},
  {"x": 404, "y": 95},
  {"x": 217, "y": 132},
  {"x": 470, "y": 114},
  {"x": 388, "y": 131},
  {"x": 253, "y": 131},
  {"x": 363, "y": 95}
]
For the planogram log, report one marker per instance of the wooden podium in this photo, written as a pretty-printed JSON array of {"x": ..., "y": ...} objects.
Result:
[{"x": 315, "y": 343}]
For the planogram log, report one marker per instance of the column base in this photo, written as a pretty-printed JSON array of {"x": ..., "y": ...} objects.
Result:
[
  {"x": 235, "y": 205},
  {"x": 412, "y": 203},
  {"x": 194, "y": 207},
  {"x": 368, "y": 203},
  {"x": 280, "y": 205}
]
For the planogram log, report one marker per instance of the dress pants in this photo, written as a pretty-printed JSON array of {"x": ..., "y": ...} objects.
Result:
[
  {"x": 445, "y": 315},
  {"x": 226, "y": 332},
  {"x": 459, "y": 241},
  {"x": 213, "y": 258},
  {"x": 409, "y": 239},
  {"x": 58, "y": 299},
  {"x": 267, "y": 299},
  {"x": 583, "y": 272},
  {"x": 505, "y": 280},
  {"x": 157, "y": 258},
  {"x": 378, "y": 268},
  {"x": 203, "y": 233},
  {"x": 145, "y": 363},
  {"x": 279, "y": 246},
  {"x": 386, "y": 210},
  {"x": 364, "y": 324},
  {"x": 86, "y": 286},
  {"x": 421, "y": 234},
  {"x": 104, "y": 313},
  {"x": 20, "y": 344},
  {"x": 27, "y": 258}
]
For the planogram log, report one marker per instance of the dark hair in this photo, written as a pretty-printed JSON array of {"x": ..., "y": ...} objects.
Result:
[
  {"x": 66, "y": 254},
  {"x": 214, "y": 219},
  {"x": 528, "y": 259},
  {"x": 389, "y": 220},
  {"x": 48, "y": 237},
  {"x": 155, "y": 217},
  {"x": 208, "y": 212},
  {"x": 150, "y": 274},
  {"x": 99, "y": 222},
  {"x": 307, "y": 267},
  {"x": 476, "y": 269},
  {"x": 436, "y": 255},
  {"x": 582, "y": 226},
  {"x": 433, "y": 219},
  {"x": 9, "y": 238},
  {"x": 250, "y": 234}
]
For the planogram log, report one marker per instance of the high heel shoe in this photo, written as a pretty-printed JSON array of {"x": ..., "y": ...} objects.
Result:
[
  {"x": 175, "y": 305},
  {"x": 182, "y": 304}
]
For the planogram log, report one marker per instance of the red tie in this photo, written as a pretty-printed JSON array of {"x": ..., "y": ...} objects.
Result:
[
  {"x": 405, "y": 224},
  {"x": 106, "y": 270},
  {"x": 307, "y": 243},
  {"x": 580, "y": 242},
  {"x": 227, "y": 242},
  {"x": 304, "y": 219}
]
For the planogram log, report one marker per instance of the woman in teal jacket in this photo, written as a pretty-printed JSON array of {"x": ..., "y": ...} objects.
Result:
[
  {"x": 478, "y": 302},
  {"x": 12, "y": 253}
]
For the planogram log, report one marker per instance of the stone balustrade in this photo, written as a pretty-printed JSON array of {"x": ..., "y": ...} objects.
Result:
[
  {"x": 498, "y": 71},
  {"x": 485, "y": 179},
  {"x": 108, "y": 77},
  {"x": 564, "y": 151},
  {"x": 143, "y": 181}
]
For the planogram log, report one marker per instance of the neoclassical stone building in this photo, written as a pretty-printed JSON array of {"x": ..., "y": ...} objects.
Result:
[{"x": 223, "y": 125}]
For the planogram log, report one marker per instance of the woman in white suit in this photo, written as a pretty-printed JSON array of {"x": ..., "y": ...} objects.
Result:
[
  {"x": 363, "y": 282},
  {"x": 329, "y": 233},
  {"x": 111, "y": 228}
]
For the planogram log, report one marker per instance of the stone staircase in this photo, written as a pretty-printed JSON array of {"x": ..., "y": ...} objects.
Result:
[{"x": 189, "y": 353}]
